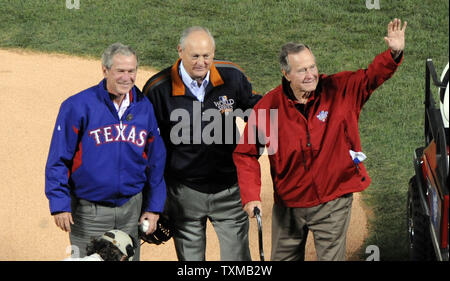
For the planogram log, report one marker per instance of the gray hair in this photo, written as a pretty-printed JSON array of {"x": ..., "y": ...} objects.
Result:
[
  {"x": 114, "y": 49},
  {"x": 290, "y": 48},
  {"x": 191, "y": 29}
]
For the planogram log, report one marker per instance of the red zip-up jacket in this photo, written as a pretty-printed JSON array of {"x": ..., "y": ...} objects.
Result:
[{"x": 310, "y": 162}]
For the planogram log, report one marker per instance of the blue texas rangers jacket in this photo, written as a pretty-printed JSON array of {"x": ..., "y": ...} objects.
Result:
[{"x": 98, "y": 157}]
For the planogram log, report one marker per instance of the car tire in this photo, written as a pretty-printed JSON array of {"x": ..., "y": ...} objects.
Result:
[{"x": 420, "y": 245}]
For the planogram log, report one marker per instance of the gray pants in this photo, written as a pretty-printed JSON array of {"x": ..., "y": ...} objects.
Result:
[
  {"x": 328, "y": 222},
  {"x": 92, "y": 220},
  {"x": 189, "y": 211}
]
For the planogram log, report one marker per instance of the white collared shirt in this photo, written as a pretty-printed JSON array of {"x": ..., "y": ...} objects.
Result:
[
  {"x": 123, "y": 106},
  {"x": 197, "y": 91}
]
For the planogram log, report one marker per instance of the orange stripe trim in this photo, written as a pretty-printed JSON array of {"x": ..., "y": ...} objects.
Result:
[
  {"x": 153, "y": 83},
  {"x": 230, "y": 63},
  {"x": 215, "y": 77},
  {"x": 178, "y": 88},
  {"x": 233, "y": 64}
]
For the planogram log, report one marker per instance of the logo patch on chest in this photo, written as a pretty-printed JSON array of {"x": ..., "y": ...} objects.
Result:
[
  {"x": 322, "y": 116},
  {"x": 224, "y": 104},
  {"x": 119, "y": 133}
]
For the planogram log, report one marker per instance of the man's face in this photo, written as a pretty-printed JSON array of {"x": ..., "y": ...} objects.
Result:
[
  {"x": 197, "y": 55},
  {"x": 304, "y": 74},
  {"x": 120, "y": 78}
]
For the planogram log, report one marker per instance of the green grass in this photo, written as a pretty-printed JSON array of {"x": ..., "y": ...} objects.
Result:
[{"x": 343, "y": 34}]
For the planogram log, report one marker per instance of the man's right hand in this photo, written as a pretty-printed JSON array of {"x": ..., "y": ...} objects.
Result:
[
  {"x": 63, "y": 220},
  {"x": 250, "y": 206}
]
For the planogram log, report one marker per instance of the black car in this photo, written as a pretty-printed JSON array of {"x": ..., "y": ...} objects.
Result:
[{"x": 428, "y": 196}]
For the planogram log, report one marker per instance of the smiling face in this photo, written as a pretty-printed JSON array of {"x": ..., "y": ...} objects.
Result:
[
  {"x": 120, "y": 78},
  {"x": 197, "y": 54},
  {"x": 304, "y": 74}
]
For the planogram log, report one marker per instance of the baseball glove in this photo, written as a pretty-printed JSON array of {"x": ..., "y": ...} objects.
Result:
[{"x": 164, "y": 231}]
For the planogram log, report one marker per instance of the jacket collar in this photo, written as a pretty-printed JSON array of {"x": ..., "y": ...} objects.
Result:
[
  {"x": 287, "y": 90},
  {"x": 178, "y": 88},
  {"x": 133, "y": 94}
]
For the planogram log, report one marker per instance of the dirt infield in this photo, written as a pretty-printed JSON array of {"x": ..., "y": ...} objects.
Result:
[{"x": 33, "y": 86}]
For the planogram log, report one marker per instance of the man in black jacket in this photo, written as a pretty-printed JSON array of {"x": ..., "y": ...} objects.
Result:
[{"x": 195, "y": 103}]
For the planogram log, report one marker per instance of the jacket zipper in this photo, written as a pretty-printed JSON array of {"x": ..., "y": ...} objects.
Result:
[
  {"x": 303, "y": 156},
  {"x": 122, "y": 143},
  {"x": 308, "y": 137},
  {"x": 308, "y": 144}
]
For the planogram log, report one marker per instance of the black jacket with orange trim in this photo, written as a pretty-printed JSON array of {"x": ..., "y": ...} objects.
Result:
[{"x": 200, "y": 137}]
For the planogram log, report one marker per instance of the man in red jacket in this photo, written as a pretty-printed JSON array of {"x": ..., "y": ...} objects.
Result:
[{"x": 309, "y": 125}]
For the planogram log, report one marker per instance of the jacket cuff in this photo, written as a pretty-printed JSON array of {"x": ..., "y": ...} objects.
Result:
[
  {"x": 398, "y": 60},
  {"x": 155, "y": 198},
  {"x": 60, "y": 206}
]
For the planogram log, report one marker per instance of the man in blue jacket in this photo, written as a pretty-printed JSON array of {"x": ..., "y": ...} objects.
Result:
[{"x": 106, "y": 161}]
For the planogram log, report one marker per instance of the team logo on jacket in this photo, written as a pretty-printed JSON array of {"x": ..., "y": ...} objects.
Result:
[
  {"x": 117, "y": 133},
  {"x": 322, "y": 116},
  {"x": 224, "y": 104}
]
